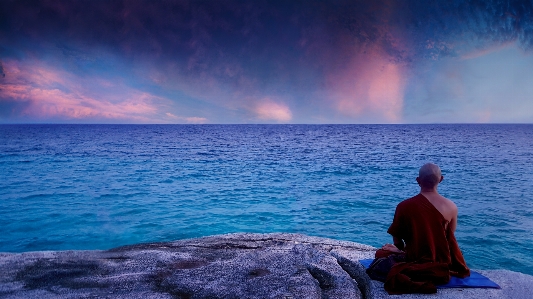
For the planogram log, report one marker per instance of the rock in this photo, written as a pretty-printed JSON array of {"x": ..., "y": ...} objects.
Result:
[
  {"x": 287, "y": 266},
  {"x": 226, "y": 266}
]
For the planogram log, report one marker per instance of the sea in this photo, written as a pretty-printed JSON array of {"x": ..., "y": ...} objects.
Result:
[{"x": 84, "y": 187}]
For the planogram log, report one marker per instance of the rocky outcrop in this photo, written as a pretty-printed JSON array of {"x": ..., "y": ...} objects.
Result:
[{"x": 285, "y": 266}]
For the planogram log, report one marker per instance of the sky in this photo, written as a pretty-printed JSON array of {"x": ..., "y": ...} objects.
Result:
[{"x": 258, "y": 61}]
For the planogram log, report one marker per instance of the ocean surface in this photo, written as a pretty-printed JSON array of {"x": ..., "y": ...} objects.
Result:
[{"x": 101, "y": 186}]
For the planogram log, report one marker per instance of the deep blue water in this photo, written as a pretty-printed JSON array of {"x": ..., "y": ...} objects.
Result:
[{"x": 102, "y": 186}]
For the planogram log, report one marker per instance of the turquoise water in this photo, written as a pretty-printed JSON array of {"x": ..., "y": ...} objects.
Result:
[{"x": 102, "y": 186}]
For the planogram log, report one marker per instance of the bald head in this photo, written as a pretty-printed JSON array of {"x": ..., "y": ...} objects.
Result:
[{"x": 429, "y": 175}]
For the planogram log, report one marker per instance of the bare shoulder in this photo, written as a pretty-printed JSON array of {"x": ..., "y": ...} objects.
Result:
[
  {"x": 449, "y": 206},
  {"x": 446, "y": 207}
]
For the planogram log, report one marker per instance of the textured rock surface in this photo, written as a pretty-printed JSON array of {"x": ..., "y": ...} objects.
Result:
[
  {"x": 285, "y": 266},
  {"x": 226, "y": 266}
]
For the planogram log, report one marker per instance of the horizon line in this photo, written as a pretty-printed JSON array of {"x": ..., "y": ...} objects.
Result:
[{"x": 274, "y": 124}]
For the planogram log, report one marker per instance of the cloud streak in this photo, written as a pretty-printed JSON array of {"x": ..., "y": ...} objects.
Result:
[{"x": 36, "y": 91}]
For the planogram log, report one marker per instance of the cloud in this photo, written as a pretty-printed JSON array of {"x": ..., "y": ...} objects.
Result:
[
  {"x": 34, "y": 90},
  {"x": 190, "y": 120},
  {"x": 267, "y": 109},
  {"x": 2, "y": 74}
]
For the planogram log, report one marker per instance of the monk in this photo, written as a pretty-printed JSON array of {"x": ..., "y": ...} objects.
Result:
[{"x": 423, "y": 230}]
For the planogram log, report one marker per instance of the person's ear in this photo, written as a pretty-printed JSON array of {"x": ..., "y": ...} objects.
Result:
[
  {"x": 441, "y": 178},
  {"x": 418, "y": 180}
]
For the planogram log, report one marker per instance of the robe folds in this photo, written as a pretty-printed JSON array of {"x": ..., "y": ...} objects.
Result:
[{"x": 431, "y": 250}]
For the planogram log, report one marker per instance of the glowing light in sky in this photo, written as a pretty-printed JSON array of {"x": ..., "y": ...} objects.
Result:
[{"x": 370, "y": 89}]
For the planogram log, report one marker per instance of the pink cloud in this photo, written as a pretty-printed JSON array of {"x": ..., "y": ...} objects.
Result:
[
  {"x": 267, "y": 109},
  {"x": 53, "y": 103},
  {"x": 56, "y": 94}
]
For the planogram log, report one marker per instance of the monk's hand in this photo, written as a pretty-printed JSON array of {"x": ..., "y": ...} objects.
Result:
[{"x": 391, "y": 247}]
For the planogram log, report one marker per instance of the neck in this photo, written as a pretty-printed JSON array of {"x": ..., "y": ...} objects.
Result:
[{"x": 429, "y": 190}]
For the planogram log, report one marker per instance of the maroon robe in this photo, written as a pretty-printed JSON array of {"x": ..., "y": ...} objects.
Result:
[{"x": 432, "y": 252}]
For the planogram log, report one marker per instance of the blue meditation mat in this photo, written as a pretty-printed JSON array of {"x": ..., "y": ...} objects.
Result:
[{"x": 475, "y": 280}]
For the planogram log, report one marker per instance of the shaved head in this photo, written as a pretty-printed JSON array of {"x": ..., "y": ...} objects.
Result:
[{"x": 429, "y": 175}]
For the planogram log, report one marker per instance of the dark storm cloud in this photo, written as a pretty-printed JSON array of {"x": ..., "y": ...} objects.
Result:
[
  {"x": 200, "y": 34},
  {"x": 2, "y": 74},
  {"x": 468, "y": 24}
]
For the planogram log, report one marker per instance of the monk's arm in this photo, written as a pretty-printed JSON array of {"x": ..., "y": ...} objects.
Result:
[
  {"x": 396, "y": 228},
  {"x": 453, "y": 223}
]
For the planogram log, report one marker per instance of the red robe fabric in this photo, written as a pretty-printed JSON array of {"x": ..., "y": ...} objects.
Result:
[{"x": 432, "y": 252}]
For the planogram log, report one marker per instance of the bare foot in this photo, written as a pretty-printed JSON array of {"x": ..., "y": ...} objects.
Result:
[{"x": 391, "y": 247}]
